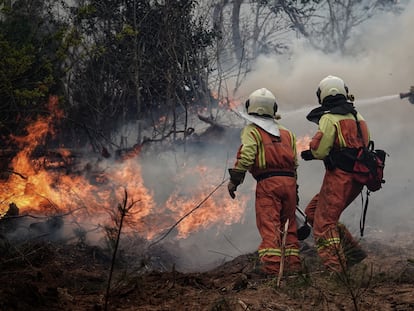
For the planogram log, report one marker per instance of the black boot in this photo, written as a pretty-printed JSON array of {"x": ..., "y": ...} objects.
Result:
[{"x": 354, "y": 256}]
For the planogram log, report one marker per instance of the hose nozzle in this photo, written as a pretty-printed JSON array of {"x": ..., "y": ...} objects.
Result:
[{"x": 410, "y": 95}]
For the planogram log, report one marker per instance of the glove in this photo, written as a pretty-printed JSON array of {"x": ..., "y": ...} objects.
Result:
[
  {"x": 232, "y": 188},
  {"x": 236, "y": 178},
  {"x": 307, "y": 155}
]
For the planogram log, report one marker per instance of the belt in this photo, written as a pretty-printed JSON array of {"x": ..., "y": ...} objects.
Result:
[{"x": 271, "y": 174}]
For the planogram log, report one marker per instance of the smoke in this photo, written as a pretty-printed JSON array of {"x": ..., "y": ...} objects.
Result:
[
  {"x": 379, "y": 68},
  {"x": 381, "y": 64}
]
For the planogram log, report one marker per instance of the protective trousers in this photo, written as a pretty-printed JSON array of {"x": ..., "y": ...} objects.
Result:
[
  {"x": 275, "y": 204},
  {"x": 333, "y": 240}
]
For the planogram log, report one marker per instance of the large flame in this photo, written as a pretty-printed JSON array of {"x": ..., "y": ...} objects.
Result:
[
  {"x": 218, "y": 209},
  {"x": 92, "y": 195}
]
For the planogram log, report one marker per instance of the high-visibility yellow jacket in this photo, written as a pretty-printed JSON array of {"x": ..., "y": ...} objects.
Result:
[
  {"x": 336, "y": 132},
  {"x": 261, "y": 152}
]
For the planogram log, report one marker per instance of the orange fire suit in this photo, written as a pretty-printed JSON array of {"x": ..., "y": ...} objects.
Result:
[
  {"x": 272, "y": 161},
  {"x": 338, "y": 190}
]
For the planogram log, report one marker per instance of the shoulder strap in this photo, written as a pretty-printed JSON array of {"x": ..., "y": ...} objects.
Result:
[{"x": 354, "y": 113}]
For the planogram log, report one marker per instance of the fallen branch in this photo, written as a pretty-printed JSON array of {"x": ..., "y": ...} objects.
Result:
[
  {"x": 210, "y": 121},
  {"x": 243, "y": 305},
  {"x": 16, "y": 173}
]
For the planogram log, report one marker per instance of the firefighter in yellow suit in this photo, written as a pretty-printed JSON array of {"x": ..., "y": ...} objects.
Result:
[
  {"x": 268, "y": 152},
  {"x": 341, "y": 129}
]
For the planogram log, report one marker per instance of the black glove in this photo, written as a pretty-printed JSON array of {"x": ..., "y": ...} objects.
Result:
[
  {"x": 307, "y": 155},
  {"x": 232, "y": 188},
  {"x": 236, "y": 178}
]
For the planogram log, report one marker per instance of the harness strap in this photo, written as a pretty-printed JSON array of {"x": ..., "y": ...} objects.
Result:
[
  {"x": 364, "y": 213},
  {"x": 365, "y": 206},
  {"x": 274, "y": 173}
]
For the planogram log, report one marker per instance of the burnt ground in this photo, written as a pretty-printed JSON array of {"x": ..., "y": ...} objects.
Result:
[{"x": 45, "y": 275}]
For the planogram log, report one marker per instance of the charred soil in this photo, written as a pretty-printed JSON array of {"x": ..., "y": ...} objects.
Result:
[{"x": 46, "y": 275}]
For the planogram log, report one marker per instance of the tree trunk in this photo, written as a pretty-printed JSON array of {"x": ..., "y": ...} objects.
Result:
[{"x": 235, "y": 25}]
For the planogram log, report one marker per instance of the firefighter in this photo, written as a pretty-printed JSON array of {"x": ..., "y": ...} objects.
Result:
[
  {"x": 341, "y": 129},
  {"x": 268, "y": 152}
]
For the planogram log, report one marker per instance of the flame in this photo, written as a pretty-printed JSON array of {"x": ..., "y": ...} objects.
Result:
[
  {"x": 215, "y": 94},
  {"x": 219, "y": 209},
  {"x": 229, "y": 103},
  {"x": 37, "y": 187},
  {"x": 42, "y": 186}
]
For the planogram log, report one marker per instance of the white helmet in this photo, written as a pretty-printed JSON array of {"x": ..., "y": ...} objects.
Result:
[
  {"x": 331, "y": 86},
  {"x": 262, "y": 103}
]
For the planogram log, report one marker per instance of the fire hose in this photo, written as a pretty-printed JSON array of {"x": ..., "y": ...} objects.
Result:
[{"x": 304, "y": 231}]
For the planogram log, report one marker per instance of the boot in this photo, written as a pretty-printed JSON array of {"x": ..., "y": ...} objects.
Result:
[
  {"x": 352, "y": 250},
  {"x": 355, "y": 256}
]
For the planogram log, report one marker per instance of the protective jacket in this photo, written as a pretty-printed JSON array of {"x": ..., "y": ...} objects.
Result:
[
  {"x": 337, "y": 133},
  {"x": 272, "y": 161},
  {"x": 337, "y": 130}
]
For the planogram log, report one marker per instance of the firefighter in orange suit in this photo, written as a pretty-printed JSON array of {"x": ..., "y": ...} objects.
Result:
[
  {"x": 341, "y": 129},
  {"x": 268, "y": 152}
]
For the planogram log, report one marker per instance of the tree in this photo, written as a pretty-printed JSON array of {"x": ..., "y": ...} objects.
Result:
[
  {"x": 31, "y": 57},
  {"x": 270, "y": 26},
  {"x": 253, "y": 29},
  {"x": 331, "y": 23},
  {"x": 140, "y": 60}
]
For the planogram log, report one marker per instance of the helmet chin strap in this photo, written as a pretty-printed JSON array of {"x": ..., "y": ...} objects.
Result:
[
  {"x": 247, "y": 104},
  {"x": 318, "y": 95}
]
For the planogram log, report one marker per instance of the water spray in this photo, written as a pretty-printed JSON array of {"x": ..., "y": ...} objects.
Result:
[{"x": 410, "y": 95}]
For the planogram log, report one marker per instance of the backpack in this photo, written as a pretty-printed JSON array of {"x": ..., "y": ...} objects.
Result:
[{"x": 369, "y": 166}]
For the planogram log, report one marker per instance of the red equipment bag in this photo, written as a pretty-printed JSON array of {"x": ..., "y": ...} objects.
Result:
[{"x": 369, "y": 167}]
